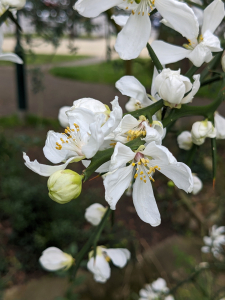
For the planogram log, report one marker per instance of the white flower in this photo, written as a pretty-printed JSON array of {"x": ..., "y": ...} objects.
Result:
[
  {"x": 197, "y": 185},
  {"x": 8, "y": 56},
  {"x": 130, "y": 128},
  {"x": 201, "y": 130},
  {"x": 155, "y": 291},
  {"x": 99, "y": 265},
  {"x": 78, "y": 141},
  {"x": 131, "y": 87},
  {"x": 172, "y": 87},
  {"x": 141, "y": 165},
  {"x": 219, "y": 125},
  {"x": 184, "y": 140},
  {"x": 62, "y": 117},
  {"x": 53, "y": 259},
  {"x": 136, "y": 32},
  {"x": 94, "y": 213},
  {"x": 17, "y": 4},
  {"x": 201, "y": 45},
  {"x": 215, "y": 241}
]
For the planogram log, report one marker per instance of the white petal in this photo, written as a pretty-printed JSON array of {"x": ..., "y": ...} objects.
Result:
[
  {"x": 144, "y": 202},
  {"x": 100, "y": 268},
  {"x": 159, "y": 285},
  {"x": 94, "y": 213},
  {"x": 153, "y": 134},
  {"x": 91, "y": 9},
  {"x": 200, "y": 54},
  {"x": 102, "y": 169},
  {"x": 134, "y": 36},
  {"x": 118, "y": 256},
  {"x": 195, "y": 88},
  {"x": 130, "y": 86},
  {"x": 62, "y": 117},
  {"x": 180, "y": 16},
  {"x": 127, "y": 123},
  {"x": 159, "y": 152},
  {"x": 211, "y": 41},
  {"x": 168, "y": 53},
  {"x": 121, "y": 155},
  {"x": 51, "y": 153},
  {"x": 44, "y": 170},
  {"x": 11, "y": 57},
  {"x": 120, "y": 20},
  {"x": 197, "y": 186},
  {"x": 205, "y": 249},
  {"x": 213, "y": 16},
  {"x": 116, "y": 183}
]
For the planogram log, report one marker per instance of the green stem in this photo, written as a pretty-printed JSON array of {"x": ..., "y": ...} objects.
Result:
[
  {"x": 154, "y": 58},
  {"x": 210, "y": 66},
  {"x": 88, "y": 244},
  {"x": 213, "y": 79},
  {"x": 148, "y": 111},
  {"x": 191, "y": 71},
  {"x": 191, "y": 155},
  {"x": 214, "y": 159}
]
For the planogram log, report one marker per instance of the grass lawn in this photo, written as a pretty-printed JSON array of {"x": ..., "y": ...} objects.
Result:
[
  {"x": 107, "y": 72},
  {"x": 38, "y": 59}
]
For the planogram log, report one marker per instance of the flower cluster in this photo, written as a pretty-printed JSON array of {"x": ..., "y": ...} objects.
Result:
[
  {"x": 157, "y": 290},
  {"x": 215, "y": 241}
]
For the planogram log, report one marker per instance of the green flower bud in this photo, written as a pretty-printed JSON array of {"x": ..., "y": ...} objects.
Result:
[{"x": 64, "y": 186}]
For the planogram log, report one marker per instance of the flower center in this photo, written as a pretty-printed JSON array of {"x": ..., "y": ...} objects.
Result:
[
  {"x": 136, "y": 132},
  {"x": 143, "y": 6},
  {"x": 143, "y": 170}
]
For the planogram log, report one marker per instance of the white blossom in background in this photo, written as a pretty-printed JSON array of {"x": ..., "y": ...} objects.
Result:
[
  {"x": 54, "y": 259},
  {"x": 99, "y": 265},
  {"x": 197, "y": 186},
  {"x": 219, "y": 125},
  {"x": 184, "y": 140},
  {"x": 201, "y": 130},
  {"x": 171, "y": 86},
  {"x": 215, "y": 241},
  {"x": 201, "y": 44},
  {"x": 136, "y": 32},
  {"x": 8, "y": 56},
  {"x": 94, "y": 213},
  {"x": 155, "y": 291},
  {"x": 62, "y": 117},
  {"x": 131, "y": 87},
  {"x": 141, "y": 165},
  {"x": 90, "y": 121}
]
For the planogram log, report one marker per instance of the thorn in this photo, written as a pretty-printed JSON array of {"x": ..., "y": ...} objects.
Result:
[
  {"x": 94, "y": 177},
  {"x": 214, "y": 182}
]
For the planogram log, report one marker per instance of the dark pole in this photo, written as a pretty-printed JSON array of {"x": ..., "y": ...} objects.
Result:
[{"x": 20, "y": 74}]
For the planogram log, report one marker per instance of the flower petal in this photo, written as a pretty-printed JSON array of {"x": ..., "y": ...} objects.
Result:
[
  {"x": 168, "y": 53},
  {"x": 144, "y": 202},
  {"x": 127, "y": 123},
  {"x": 134, "y": 35},
  {"x": 100, "y": 268},
  {"x": 11, "y": 57},
  {"x": 91, "y": 9},
  {"x": 102, "y": 169},
  {"x": 159, "y": 152},
  {"x": 130, "y": 86},
  {"x": 44, "y": 170},
  {"x": 200, "y": 54},
  {"x": 62, "y": 117},
  {"x": 121, "y": 155},
  {"x": 118, "y": 256},
  {"x": 116, "y": 183},
  {"x": 120, "y": 20},
  {"x": 213, "y": 16}
]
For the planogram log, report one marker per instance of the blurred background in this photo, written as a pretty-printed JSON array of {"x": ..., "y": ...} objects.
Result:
[{"x": 68, "y": 57}]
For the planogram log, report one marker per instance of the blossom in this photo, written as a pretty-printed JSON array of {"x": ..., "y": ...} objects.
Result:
[
  {"x": 54, "y": 259},
  {"x": 184, "y": 140},
  {"x": 99, "y": 265},
  {"x": 219, "y": 125},
  {"x": 197, "y": 186},
  {"x": 94, "y": 213},
  {"x": 172, "y": 87},
  {"x": 141, "y": 165},
  {"x": 215, "y": 241},
  {"x": 82, "y": 138},
  {"x": 136, "y": 32},
  {"x": 131, "y": 87},
  {"x": 17, "y": 4},
  {"x": 8, "y": 56},
  {"x": 200, "y": 44},
  {"x": 201, "y": 130},
  {"x": 155, "y": 291},
  {"x": 64, "y": 186},
  {"x": 62, "y": 117}
]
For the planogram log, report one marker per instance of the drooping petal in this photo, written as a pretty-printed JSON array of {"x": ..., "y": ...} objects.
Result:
[
  {"x": 130, "y": 86},
  {"x": 211, "y": 41},
  {"x": 159, "y": 152},
  {"x": 100, "y": 268},
  {"x": 44, "y": 170},
  {"x": 168, "y": 53},
  {"x": 94, "y": 213},
  {"x": 195, "y": 87},
  {"x": 180, "y": 16},
  {"x": 91, "y": 9},
  {"x": 144, "y": 202},
  {"x": 134, "y": 35},
  {"x": 121, "y": 155},
  {"x": 116, "y": 183},
  {"x": 11, "y": 57},
  {"x": 118, "y": 256},
  {"x": 200, "y": 54},
  {"x": 127, "y": 123},
  {"x": 213, "y": 16},
  {"x": 62, "y": 117},
  {"x": 120, "y": 20}
]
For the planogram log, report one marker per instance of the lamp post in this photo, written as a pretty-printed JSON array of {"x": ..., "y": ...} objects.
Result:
[{"x": 20, "y": 75}]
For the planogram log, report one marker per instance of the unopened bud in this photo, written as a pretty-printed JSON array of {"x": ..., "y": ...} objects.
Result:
[
  {"x": 64, "y": 186},
  {"x": 202, "y": 130}
]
